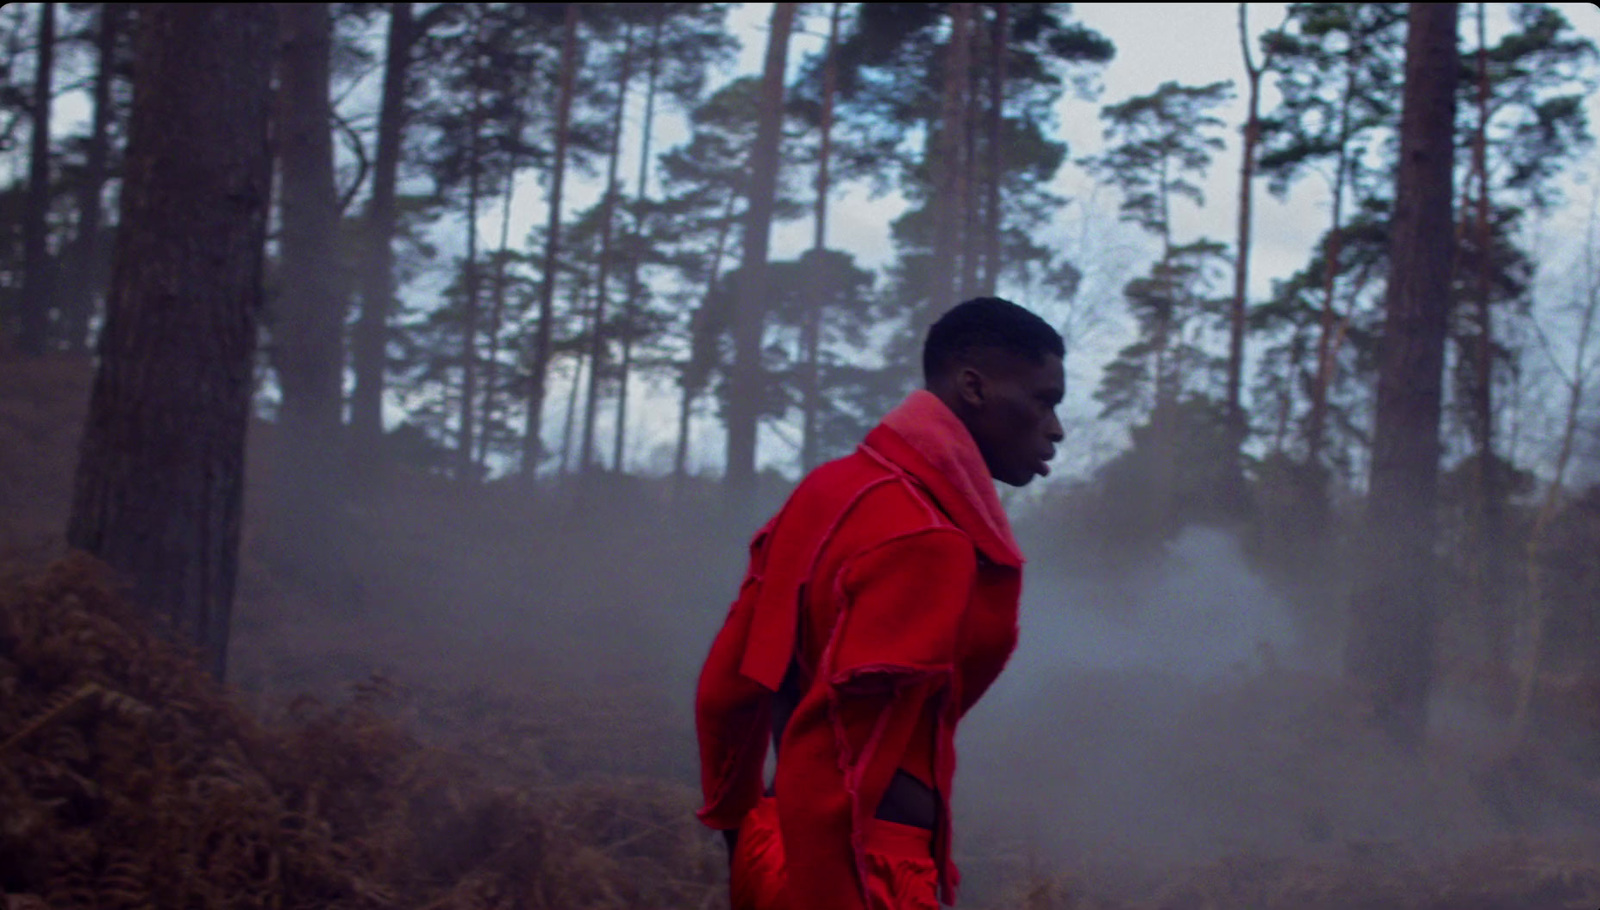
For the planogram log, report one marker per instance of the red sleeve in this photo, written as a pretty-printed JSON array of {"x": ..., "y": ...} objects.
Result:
[
  {"x": 732, "y": 713},
  {"x": 886, "y": 669}
]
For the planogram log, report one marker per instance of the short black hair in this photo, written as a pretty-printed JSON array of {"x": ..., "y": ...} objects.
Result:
[{"x": 986, "y": 322}]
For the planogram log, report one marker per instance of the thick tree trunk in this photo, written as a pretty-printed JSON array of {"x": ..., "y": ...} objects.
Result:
[
  {"x": 812, "y": 330},
  {"x": 84, "y": 276},
  {"x": 744, "y": 405},
  {"x": 1390, "y": 651},
  {"x": 532, "y": 444},
  {"x": 608, "y": 206},
  {"x": 37, "y": 291},
  {"x": 370, "y": 338},
  {"x": 308, "y": 332},
  {"x": 160, "y": 479},
  {"x": 307, "y": 347},
  {"x": 630, "y": 303}
]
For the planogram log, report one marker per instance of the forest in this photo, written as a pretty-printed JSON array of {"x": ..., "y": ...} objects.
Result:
[{"x": 389, "y": 392}]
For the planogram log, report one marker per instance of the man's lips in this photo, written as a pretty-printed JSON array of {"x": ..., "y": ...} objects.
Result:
[{"x": 1044, "y": 463}]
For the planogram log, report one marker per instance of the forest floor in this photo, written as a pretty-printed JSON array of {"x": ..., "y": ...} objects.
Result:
[{"x": 490, "y": 706}]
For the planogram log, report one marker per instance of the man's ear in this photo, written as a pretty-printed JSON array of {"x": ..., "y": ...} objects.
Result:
[{"x": 970, "y": 386}]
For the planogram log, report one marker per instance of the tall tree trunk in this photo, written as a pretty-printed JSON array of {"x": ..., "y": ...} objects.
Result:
[
  {"x": 1316, "y": 426},
  {"x": 370, "y": 338},
  {"x": 1163, "y": 432},
  {"x": 744, "y": 405},
  {"x": 810, "y": 445},
  {"x": 949, "y": 171},
  {"x": 465, "y": 468},
  {"x": 608, "y": 206},
  {"x": 577, "y": 303},
  {"x": 996, "y": 149},
  {"x": 680, "y": 451},
  {"x": 691, "y": 387},
  {"x": 1297, "y": 349},
  {"x": 1389, "y": 653},
  {"x": 1577, "y": 382},
  {"x": 159, "y": 486},
  {"x": 309, "y": 313},
  {"x": 578, "y": 360},
  {"x": 37, "y": 290},
  {"x": 83, "y": 272},
  {"x": 532, "y": 445},
  {"x": 1488, "y": 528},
  {"x": 497, "y": 309},
  {"x": 630, "y": 303},
  {"x": 968, "y": 248},
  {"x": 578, "y": 294},
  {"x": 1241, "y": 267}
]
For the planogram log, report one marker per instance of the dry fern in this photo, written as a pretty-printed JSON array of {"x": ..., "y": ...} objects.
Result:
[{"x": 129, "y": 779}]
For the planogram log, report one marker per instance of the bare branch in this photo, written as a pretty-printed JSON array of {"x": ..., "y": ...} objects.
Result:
[{"x": 362, "y": 165}]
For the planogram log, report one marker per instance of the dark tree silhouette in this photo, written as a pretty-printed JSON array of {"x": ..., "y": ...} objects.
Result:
[
  {"x": 750, "y": 317},
  {"x": 160, "y": 479},
  {"x": 36, "y": 293},
  {"x": 369, "y": 341},
  {"x": 533, "y": 447},
  {"x": 1390, "y": 649},
  {"x": 308, "y": 314}
]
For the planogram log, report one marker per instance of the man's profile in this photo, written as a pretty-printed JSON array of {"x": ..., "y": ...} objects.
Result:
[{"x": 879, "y": 605}]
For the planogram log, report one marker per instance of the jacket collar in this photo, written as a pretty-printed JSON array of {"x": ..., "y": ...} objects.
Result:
[{"x": 924, "y": 439}]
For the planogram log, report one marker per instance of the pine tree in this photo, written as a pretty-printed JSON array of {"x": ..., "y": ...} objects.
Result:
[
  {"x": 533, "y": 446},
  {"x": 686, "y": 40},
  {"x": 1158, "y": 145},
  {"x": 370, "y": 339},
  {"x": 750, "y": 315},
  {"x": 308, "y": 312},
  {"x": 1337, "y": 66},
  {"x": 37, "y": 291},
  {"x": 1521, "y": 121},
  {"x": 159, "y": 487},
  {"x": 1390, "y": 650},
  {"x": 1251, "y": 132},
  {"x": 970, "y": 226}
]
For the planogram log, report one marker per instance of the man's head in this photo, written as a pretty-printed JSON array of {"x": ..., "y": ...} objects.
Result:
[{"x": 998, "y": 367}]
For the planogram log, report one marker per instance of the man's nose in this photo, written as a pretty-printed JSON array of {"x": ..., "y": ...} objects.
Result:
[{"x": 1052, "y": 430}]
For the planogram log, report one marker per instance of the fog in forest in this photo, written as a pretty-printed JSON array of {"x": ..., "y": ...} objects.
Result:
[
  {"x": 377, "y": 467},
  {"x": 1165, "y": 714}
]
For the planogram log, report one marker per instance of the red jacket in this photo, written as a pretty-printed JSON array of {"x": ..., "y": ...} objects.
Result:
[{"x": 890, "y": 577}]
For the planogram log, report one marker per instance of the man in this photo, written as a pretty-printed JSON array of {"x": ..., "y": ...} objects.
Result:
[{"x": 880, "y": 603}]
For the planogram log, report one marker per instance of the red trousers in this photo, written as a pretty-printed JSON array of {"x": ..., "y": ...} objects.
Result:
[{"x": 901, "y": 874}]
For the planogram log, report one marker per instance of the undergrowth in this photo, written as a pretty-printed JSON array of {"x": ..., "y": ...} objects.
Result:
[{"x": 128, "y": 778}]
